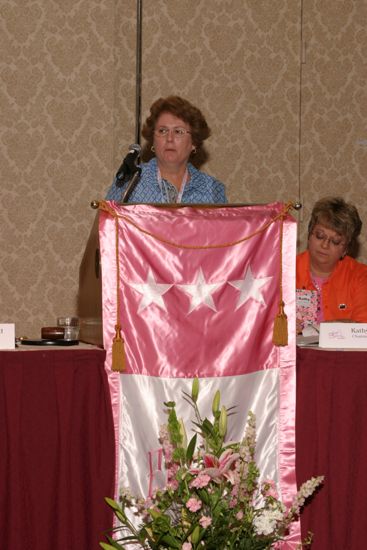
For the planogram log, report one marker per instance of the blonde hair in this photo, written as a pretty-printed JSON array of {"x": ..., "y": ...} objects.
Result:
[{"x": 338, "y": 215}]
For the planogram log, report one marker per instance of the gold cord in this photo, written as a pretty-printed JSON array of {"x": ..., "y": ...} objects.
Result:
[
  {"x": 280, "y": 328},
  {"x": 103, "y": 205}
]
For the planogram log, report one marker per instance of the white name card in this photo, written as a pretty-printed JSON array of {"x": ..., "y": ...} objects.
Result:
[
  {"x": 7, "y": 336},
  {"x": 343, "y": 335}
]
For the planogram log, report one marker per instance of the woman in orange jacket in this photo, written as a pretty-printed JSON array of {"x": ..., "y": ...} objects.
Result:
[{"x": 331, "y": 285}]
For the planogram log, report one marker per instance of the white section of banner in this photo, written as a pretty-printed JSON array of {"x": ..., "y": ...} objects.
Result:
[{"x": 142, "y": 412}]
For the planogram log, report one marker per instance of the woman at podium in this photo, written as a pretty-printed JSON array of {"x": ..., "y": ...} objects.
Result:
[
  {"x": 331, "y": 285},
  {"x": 175, "y": 132}
]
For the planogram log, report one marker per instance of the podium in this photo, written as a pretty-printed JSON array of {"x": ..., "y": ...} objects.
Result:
[{"x": 90, "y": 290}]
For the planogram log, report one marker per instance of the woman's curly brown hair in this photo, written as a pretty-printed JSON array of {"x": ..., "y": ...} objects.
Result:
[{"x": 183, "y": 109}]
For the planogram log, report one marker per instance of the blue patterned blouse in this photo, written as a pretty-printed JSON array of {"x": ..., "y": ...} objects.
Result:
[{"x": 199, "y": 189}]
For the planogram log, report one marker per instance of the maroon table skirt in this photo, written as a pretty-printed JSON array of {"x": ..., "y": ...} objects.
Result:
[
  {"x": 56, "y": 449},
  {"x": 331, "y": 439}
]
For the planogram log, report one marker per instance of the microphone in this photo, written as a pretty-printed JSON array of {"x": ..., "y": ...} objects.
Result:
[{"x": 128, "y": 166}]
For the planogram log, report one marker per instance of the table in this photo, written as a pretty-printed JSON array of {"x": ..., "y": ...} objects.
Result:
[
  {"x": 56, "y": 449},
  {"x": 331, "y": 439}
]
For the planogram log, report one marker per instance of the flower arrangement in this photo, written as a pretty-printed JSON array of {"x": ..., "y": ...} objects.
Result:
[{"x": 213, "y": 498}]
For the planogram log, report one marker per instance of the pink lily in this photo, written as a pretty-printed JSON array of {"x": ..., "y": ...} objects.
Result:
[{"x": 218, "y": 467}]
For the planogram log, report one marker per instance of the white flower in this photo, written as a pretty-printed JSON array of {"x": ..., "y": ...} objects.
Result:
[
  {"x": 266, "y": 522},
  {"x": 306, "y": 490}
]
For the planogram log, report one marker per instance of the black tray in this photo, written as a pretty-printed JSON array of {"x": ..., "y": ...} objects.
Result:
[{"x": 46, "y": 342}]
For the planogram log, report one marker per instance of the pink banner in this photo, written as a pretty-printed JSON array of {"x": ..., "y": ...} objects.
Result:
[{"x": 196, "y": 291}]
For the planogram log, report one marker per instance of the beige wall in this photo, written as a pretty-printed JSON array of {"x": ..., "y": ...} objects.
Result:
[{"x": 288, "y": 122}]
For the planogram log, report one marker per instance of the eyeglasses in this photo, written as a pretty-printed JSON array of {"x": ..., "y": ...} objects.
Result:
[
  {"x": 177, "y": 132},
  {"x": 321, "y": 236}
]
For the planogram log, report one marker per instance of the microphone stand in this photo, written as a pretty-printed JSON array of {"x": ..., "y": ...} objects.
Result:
[
  {"x": 131, "y": 184},
  {"x": 136, "y": 170}
]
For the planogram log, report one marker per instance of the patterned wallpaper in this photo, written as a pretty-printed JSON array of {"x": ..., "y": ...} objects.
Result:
[
  {"x": 287, "y": 121},
  {"x": 334, "y": 106}
]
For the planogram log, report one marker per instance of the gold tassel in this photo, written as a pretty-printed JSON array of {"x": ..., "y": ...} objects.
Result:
[
  {"x": 280, "y": 329},
  {"x": 118, "y": 351}
]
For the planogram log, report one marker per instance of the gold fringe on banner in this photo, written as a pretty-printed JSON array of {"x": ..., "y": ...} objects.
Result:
[{"x": 280, "y": 328}]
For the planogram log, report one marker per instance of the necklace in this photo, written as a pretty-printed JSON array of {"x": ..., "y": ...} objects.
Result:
[{"x": 169, "y": 192}]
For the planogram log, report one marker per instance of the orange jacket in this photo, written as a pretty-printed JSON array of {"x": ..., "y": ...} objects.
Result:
[{"x": 344, "y": 294}]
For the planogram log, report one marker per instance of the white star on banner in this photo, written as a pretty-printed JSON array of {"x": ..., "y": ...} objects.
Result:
[
  {"x": 250, "y": 287},
  {"x": 200, "y": 292},
  {"x": 152, "y": 292}
]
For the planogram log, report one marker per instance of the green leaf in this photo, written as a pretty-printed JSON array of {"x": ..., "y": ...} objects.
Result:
[
  {"x": 207, "y": 427},
  {"x": 120, "y": 515},
  {"x": 154, "y": 513},
  {"x": 171, "y": 541},
  {"x": 195, "y": 535},
  {"x": 112, "y": 503},
  {"x": 107, "y": 546},
  {"x": 191, "y": 449},
  {"x": 204, "y": 496}
]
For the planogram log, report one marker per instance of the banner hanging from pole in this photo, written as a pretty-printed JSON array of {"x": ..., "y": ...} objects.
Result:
[{"x": 205, "y": 292}]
